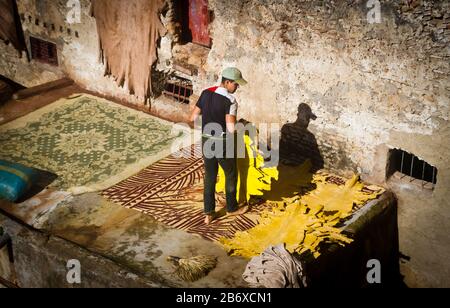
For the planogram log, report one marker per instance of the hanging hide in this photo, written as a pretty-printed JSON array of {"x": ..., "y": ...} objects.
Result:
[
  {"x": 10, "y": 27},
  {"x": 128, "y": 33}
]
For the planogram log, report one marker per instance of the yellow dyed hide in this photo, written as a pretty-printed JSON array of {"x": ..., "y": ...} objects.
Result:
[
  {"x": 305, "y": 208},
  {"x": 252, "y": 178}
]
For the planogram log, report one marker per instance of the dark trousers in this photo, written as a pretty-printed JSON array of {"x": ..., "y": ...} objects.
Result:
[{"x": 229, "y": 166}]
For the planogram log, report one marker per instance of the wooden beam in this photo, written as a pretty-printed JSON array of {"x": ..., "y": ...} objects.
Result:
[{"x": 61, "y": 83}]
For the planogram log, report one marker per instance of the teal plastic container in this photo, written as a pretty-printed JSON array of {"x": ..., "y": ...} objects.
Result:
[{"x": 15, "y": 180}]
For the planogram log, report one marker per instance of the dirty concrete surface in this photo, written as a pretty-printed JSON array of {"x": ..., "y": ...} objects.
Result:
[{"x": 138, "y": 242}]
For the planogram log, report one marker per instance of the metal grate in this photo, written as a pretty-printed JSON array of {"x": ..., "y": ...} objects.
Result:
[
  {"x": 178, "y": 89},
  {"x": 410, "y": 165},
  {"x": 44, "y": 51}
]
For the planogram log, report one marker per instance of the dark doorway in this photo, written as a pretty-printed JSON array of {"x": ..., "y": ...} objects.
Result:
[
  {"x": 181, "y": 12},
  {"x": 193, "y": 18}
]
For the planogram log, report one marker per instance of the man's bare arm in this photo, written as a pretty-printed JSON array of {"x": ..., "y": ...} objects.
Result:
[
  {"x": 231, "y": 123},
  {"x": 195, "y": 114}
]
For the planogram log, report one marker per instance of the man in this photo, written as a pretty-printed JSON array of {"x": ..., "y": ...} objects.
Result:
[{"x": 218, "y": 108}]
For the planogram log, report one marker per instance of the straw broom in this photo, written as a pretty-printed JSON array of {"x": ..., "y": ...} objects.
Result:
[{"x": 193, "y": 269}]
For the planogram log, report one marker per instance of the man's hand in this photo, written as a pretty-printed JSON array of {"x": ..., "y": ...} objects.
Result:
[{"x": 243, "y": 121}]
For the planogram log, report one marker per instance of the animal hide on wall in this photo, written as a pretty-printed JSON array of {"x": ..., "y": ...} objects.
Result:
[
  {"x": 10, "y": 27},
  {"x": 128, "y": 33}
]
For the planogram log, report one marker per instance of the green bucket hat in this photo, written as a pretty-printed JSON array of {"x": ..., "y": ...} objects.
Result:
[{"x": 234, "y": 74}]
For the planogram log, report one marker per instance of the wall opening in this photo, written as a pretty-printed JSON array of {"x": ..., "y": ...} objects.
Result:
[
  {"x": 181, "y": 13},
  {"x": 192, "y": 19},
  {"x": 43, "y": 51},
  {"x": 178, "y": 89},
  {"x": 409, "y": 167}
]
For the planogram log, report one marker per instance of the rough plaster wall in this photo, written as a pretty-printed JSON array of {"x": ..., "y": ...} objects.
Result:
[
  {"x": 23, "y": 72},
  {"x": 372, "y": 86},
  {"x": 362, "y": 81},
  {"x": 424, "y": 216},
  {"x": 78, "y": 55}
]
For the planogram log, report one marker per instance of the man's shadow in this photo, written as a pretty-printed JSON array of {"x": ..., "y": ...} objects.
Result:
[
  {"x": 299, "y": 157},
  {"x": 298, "y": 144}
]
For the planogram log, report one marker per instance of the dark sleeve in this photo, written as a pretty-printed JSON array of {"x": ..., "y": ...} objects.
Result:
[
  {"x": 201, "y": 101},
  {"x": 227, "y": 108}
]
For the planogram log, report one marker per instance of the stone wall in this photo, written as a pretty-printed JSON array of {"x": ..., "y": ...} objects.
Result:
[
  {"x": 362, "y": 80},
  {"x": 40, "y": 261},
  {"x": 373, "y": 87}
]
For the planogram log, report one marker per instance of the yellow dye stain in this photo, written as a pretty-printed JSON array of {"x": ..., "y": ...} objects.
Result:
[{"x": 305, "y": 208}]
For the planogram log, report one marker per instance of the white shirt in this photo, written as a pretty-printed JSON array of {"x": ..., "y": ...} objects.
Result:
[{"x": 234, "y": 104}]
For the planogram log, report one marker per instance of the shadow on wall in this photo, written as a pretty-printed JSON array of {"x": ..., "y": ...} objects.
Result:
[
  {"x": 12, "y": 83},
  {"x": 298, "y": 144},
  {"x": 299, "y": 159}
]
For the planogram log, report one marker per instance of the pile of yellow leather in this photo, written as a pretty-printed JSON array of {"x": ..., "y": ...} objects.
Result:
[{"x": 305, "y": 208}]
